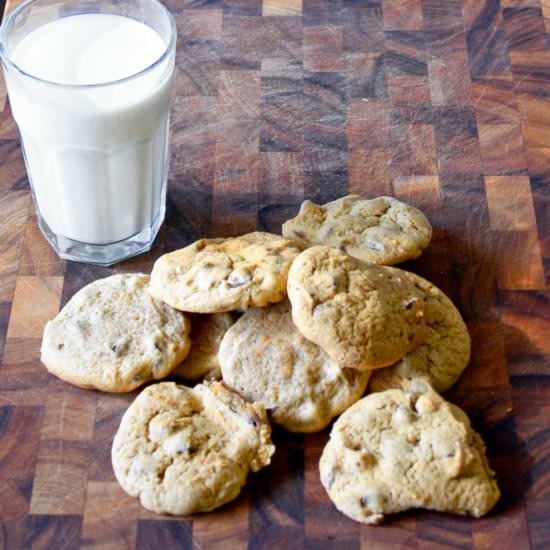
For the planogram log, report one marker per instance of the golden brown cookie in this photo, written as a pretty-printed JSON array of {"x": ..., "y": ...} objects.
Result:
[
  {"x": 113, "y": 336},
  {"x": 383, "y": 230},
  {"x": 265, "y": 358},
  {"x": 183, "y": 450},
  {"x": 216, "y": 275},
  {"x": 443, "y": 354},
  {"x": 207, "y": 331},
  {"x": 397, "y": 449},
  {"x": 364, "y": 316}
]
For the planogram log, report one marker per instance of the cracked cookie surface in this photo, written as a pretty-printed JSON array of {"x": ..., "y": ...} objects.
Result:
[
  {"x": 441, "y": 357},
  {"x": 363, "y": 315},
  {"x": 185, "y": 450},
  {"x": 397, "y": 449},
  {"x": 216, "y": 275},
  {"x": 383, "y": 230},
  {"x": 207, "y": 331},
  {"x": 113, "y": 336},
  {"x": 265, "y": 358}
]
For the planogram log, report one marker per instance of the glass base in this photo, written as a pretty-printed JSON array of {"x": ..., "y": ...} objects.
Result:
[{"x": 102, "y": 254}]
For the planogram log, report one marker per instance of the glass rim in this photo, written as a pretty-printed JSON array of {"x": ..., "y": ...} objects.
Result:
[{"x": 4, "y": 57}]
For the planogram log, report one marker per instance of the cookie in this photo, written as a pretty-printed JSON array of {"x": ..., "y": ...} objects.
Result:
[
  {"x": 215, "y": 275},
  {"x": 206, "y": 335},
  {"x": 183, "y": 450},
  {"x": 444, "y": 353},
  {"x": 397, "y": 449},
  {"x": 364, "y": 316},
  {"x": 113, "y": 336},
  {"x": 384, "y": 230},
  {"x": 265, "y": 358}
]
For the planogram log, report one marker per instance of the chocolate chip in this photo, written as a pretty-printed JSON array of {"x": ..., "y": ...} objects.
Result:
[
  {"x": 253, "y": 421},
  {"x": 120, "y": 348},
  {"x": 156, "y": 365},
  {"x": 374, "y": 501}
]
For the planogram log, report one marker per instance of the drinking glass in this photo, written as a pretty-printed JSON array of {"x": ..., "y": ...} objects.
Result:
[{"x": 96, "y": 154}]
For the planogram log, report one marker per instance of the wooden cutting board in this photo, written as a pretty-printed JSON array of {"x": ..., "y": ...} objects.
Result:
[{"x": 441, "y": 103}]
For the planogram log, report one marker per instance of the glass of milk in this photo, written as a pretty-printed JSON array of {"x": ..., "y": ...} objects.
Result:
[{"x": 89, "y": 85}]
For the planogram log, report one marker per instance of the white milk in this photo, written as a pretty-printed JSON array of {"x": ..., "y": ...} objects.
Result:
[{"x": 96, "y": 155}]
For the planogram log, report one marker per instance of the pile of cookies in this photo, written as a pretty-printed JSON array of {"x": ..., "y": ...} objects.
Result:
[{"x": 298, "y": 328}]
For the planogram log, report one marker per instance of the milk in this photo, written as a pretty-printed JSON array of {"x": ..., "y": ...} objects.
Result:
[{"x": 95, "y": 152}]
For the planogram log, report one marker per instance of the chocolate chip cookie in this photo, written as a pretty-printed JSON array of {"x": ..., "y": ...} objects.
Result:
[
  {"x": 383, "y": 230},
  {"x": 114, "y": 336},
  {"x": 444, "y": 353},
  {"x": 397, "y": 449},
  {"x": 183, "y": 450},
  {"x": 364, "y": 316},
  {"x": 265, "y": 358},
  {"x": 207, "y": 331},
  {"x": 216, "y": 275}
]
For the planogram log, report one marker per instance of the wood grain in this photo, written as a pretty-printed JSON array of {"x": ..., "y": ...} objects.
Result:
[{"x": 443, "y": 103}]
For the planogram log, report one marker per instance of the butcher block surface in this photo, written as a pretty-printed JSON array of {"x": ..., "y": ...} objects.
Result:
[{"x": 442, "y": 103}]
